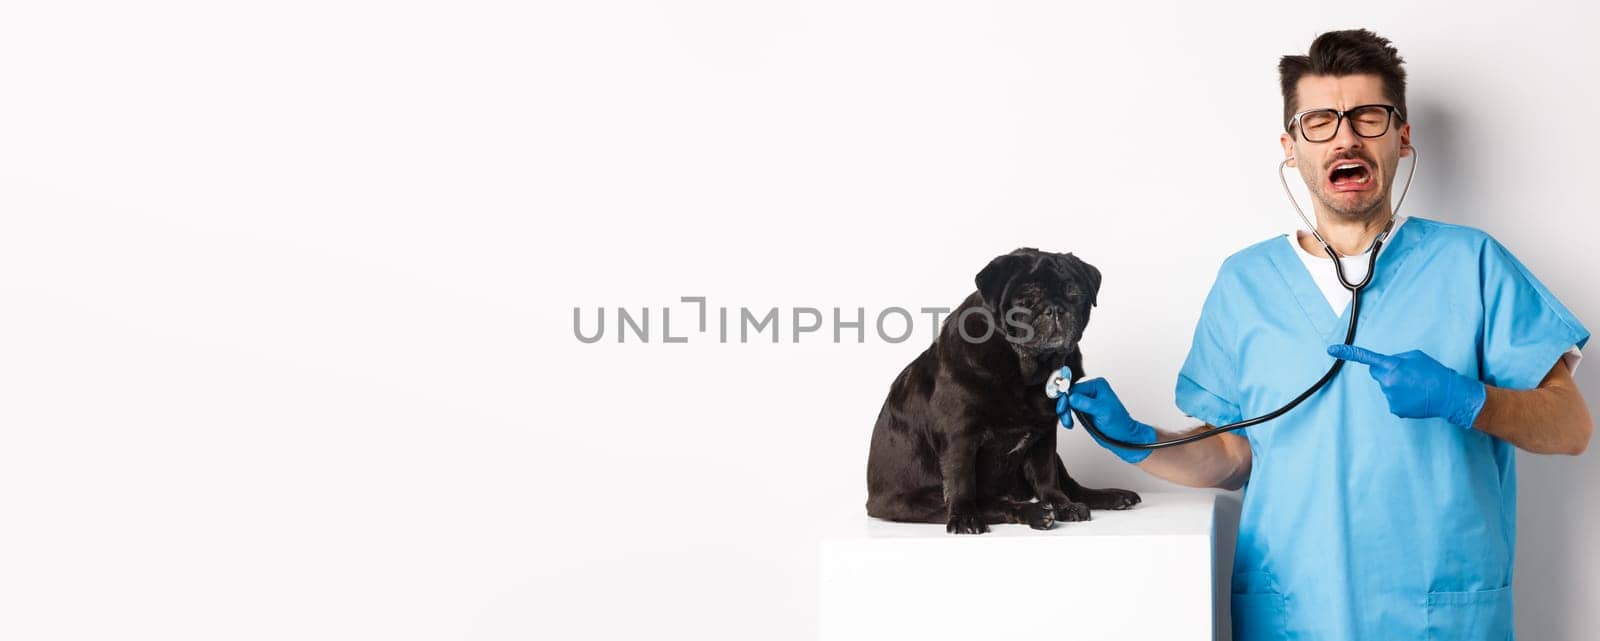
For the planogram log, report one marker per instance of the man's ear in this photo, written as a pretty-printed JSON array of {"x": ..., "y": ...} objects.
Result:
[{"x": 995, "y": 276}]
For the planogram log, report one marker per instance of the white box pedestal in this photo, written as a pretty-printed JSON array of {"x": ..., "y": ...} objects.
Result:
[{"x": 1144, "y": 573}]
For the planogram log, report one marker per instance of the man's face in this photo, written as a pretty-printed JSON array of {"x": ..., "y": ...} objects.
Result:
[{"x": 1352, "y": 193}]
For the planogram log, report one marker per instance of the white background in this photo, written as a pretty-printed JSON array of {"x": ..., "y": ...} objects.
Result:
[{"x": 286, "y": 289}]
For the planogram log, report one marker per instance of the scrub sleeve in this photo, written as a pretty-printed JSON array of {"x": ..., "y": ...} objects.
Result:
[{"x": 1525, "y": 327}]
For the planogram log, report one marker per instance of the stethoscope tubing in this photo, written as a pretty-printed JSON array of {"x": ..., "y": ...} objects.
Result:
[
  {"x": 1349, "y": 335},
  {"x": 1349, "y": 338}
]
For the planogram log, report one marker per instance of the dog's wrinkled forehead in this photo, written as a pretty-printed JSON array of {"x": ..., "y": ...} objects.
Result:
[{"x": 1044, "y": 273}]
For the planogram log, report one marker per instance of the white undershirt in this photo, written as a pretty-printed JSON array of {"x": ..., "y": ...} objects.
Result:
[{"x": 1355, "y": 268}]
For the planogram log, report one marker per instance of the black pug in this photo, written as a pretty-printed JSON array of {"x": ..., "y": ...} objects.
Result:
[{"x": 966, "y": 435}]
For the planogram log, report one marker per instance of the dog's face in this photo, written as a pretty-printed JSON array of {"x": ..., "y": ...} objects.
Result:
[{"x": 1040, "y": 299}]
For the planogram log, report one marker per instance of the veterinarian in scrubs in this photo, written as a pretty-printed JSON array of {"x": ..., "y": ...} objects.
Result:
[{"x": 1384, "y": 506}]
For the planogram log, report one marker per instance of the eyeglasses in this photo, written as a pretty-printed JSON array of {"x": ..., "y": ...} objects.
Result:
[{"x": 1321, "y": 125}]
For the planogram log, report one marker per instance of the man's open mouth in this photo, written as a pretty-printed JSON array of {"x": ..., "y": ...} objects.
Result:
[{"x": 1350, "y": 175}]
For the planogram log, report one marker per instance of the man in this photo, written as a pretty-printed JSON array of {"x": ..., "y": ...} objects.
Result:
[{"x": 1384, "y": 506}]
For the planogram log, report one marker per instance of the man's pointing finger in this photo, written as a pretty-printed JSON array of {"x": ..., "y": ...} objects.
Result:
[{"x": 1358, "y": 354}]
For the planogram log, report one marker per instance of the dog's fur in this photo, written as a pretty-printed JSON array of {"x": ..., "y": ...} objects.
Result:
[{"x": 966, "y": 435}]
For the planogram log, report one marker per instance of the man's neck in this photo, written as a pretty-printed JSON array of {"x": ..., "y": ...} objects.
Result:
[{"x": 1348, "y": 237}]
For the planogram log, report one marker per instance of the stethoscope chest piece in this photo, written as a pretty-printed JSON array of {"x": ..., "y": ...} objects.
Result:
[{"x": 1059, "y": 381}]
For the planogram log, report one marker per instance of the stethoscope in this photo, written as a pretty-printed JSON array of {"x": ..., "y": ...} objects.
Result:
[{"x": 1061, "y": 381}]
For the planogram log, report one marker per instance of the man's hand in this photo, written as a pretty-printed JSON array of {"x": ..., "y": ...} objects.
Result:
[
  {"x": 1418, "y": 386},
  {"x": 1095, "y": 398}
]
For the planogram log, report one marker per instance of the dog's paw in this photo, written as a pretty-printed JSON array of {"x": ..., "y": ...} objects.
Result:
[
  {"x": 1072, "y": 511},
  {"x": 965, "y": 524},
  {"x": 1109, "y": 499},
  {"x": 1038, "y": 516}
]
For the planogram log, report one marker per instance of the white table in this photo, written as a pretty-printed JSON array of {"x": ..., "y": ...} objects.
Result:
[{"x": 1145, "y": 573}]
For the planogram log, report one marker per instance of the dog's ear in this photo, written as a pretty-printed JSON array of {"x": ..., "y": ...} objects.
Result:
[
  {"x": 1089, "y": 274},
  {"x": 1094, "y": 284},
  {"x": 994, "y": 278}
]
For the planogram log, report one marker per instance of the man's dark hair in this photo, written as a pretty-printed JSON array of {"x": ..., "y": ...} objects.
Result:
[{"x": 1344, "y": 53}]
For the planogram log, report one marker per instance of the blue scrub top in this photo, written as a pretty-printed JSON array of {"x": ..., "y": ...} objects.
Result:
[{"x": 1358, "y": 524}]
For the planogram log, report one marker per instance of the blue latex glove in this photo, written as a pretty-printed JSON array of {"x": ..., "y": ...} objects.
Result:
[
  {"x": 1418, "y": 386},
  {"x": 1095, "y": 398}
]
